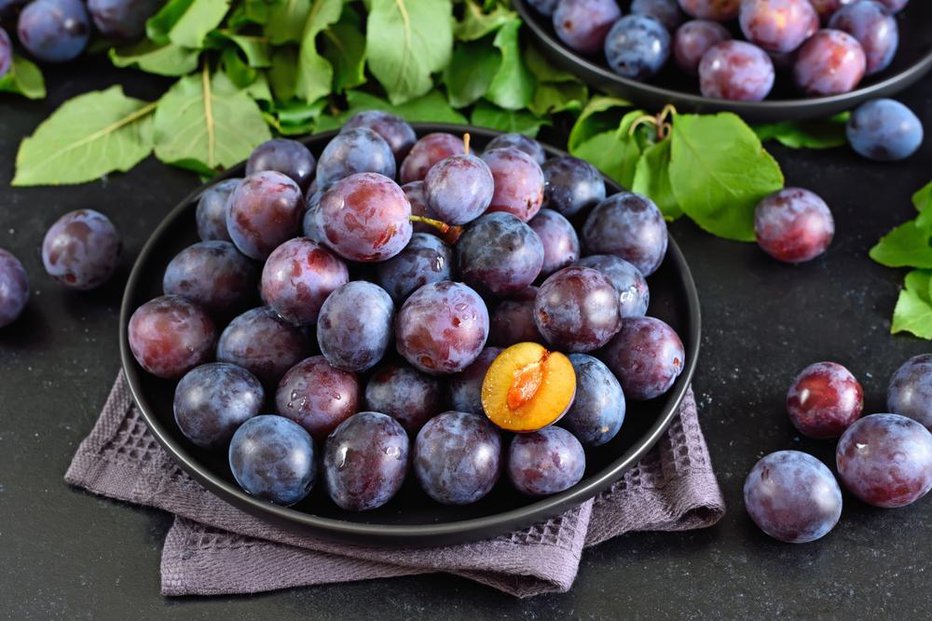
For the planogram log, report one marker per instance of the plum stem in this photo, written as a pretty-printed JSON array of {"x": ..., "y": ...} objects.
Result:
[
  {"x": 660, "y": 121},
  {"x": 448, "y": 233},
  {"x": 466, "y": 143}
]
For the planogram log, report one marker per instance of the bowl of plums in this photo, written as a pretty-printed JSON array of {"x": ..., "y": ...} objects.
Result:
[
  {"x": 409, "y": 335},
  {"x": 767, "y": 60}
]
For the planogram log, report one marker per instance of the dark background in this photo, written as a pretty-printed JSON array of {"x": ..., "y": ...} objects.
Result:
[{"x": 65, "y": 553}]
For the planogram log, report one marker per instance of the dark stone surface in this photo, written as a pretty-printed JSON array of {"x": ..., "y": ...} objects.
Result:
[{"x": 65, "y": 553}]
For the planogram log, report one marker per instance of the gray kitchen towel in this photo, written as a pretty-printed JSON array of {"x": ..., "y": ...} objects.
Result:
[{"x": 213, "y": 548}]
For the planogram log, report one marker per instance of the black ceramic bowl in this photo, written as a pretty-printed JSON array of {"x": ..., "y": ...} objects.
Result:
[
  {"x": 411, "y": 518},
  {"x": 913, "y": 60}
]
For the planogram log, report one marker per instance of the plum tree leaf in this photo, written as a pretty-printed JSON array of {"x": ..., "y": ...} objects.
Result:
[
  {"x": 907, "y": 245},
  {"x": 407, "y": 41},
  {"x": 315, "y": 74},
  {"x": 913, "y": 312},
  {"x": 206, "y": 124},
  {"x": 344, "y": 46},
  {"x": 652, "y": 179},
  {"x": 511, "y": 121},
  {"x": 186, "y": 23},
  {"x": 512, "y": 87},
  {"x": 168, "y": 59},
  {"x": 285, "y": 21},
  {"x": 719, "y": 172},
  {"x": 86, "y": 138},
  {"x": 470, "y": 73},
  {"x": 24, "y": 78}
]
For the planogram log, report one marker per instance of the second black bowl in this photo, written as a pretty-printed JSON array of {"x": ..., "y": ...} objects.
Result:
[{"x": 913, "y": 60}]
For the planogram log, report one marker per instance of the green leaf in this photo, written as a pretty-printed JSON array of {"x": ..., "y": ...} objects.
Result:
[
  {"x": 297, "y": 117},
  {"x": 476, "y": 23},
  {"x": 614, "y": 152},
  {"x": 259, "y": 89},
  {"x": 407, "y": 41},
  {"x": 913, "y": 312},
  {"x": 470, "y": 72},
  {"x": 344, "y": 46},
  {"x": 249, "y": 12},
  {"x": 820, "y": 134},
  {"x": 597, "y": 117},
  {"x": 543, "y": 70},
  {"x": 922, "y": 200},
  {"x": 908, "y": 245},
  {"x": 551, "y": 98},
  {"x": 512, "y": 87},
  {"x": 168, "y": 59},
  {"x": 719, "y": 172},
  {"x": 431, "y": 108},
  {"x": 24, "y": 78},
  {"x": 511, "y": 121},
  {"x": 235, "y": 68},
  {"x": 86, "y": 138},
  {"x": 315, "y": 75},
  {"x": 206, "y": 124},
  {"x": 186, "y": 22},
  {"x": 652, "y": 179},
  {"x": 286, "y": 19},
  {"x": 255, "y": 50},
  {"x": 283, "y": 75}
]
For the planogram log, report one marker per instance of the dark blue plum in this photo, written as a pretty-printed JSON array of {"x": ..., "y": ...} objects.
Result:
[
  {"x": 545, "y": 462},
  {"x": 598, "y": 410},
  {"x": 576, "y": 309},
  {"x": 778, "y": 26},
  {"x": 792, "y": 497},
  {"x": 354, "y": 329},
  {"x": 393, "y": 129},
  {"x": 886, "y": 460},
  {"x": 458, "y": 457},
  {"x": 646, "y": 356},
  {"x": 215, "y": 275},
  {"x": 633, "y": 293},
  {"x": 884, "y": 130},
  {"x": 793, "y": 225},
  {"x": 264, "y": 211},
  {"x": 54, "y": 31},
  {"x": 874, "y": 28},
  {"x": 82, "y": 249},
  {"x": 317, "y": 396},
  {"x": 169, "y": 336},
  {"x": 498, "y": 254},
  {"x": 442, "y": 327},
  {"x": 309, "y": 224},
  {"x": 211, "y": 211},
  {"x": 583, "y": 24},
  {"x": 824, "y": 400},
  {"x": 365, "y": 461},
  {"x": 424, "y": 260},
  {"x": 559, "y": 239},
  {"x": 459, "y": 189},
  {"x": 520, "y": 142},
  {"x": 289, "y": 157},
  {"x": 6, "y": 53},
  {"x": 426, "y": 152},
  {"x": 274, "y": 459},
  {"x": 667, "y": 12},
  {"x": 736, "y": 70},
  {"x": 572, "y": 185},
  {"x": 124, "y": 20},
  {"x": 512, "y": 320},
  {"x": 466, "y": 386},
  {"x": 830, "y": 62},
  {"x": 637, "y": 47},
  {"x": 297, "y": 278},
  {"x": 519, "y": 182},
  {"x": 629, "y": 226},
  {"x": 693, "y": 39},
  {"x": 910, "y": 390},
  {"x": 264, "y": 344},
  {"x": 354, "y": 151},
  {"x": 213, "y": 400},
  {"x": 407, "y": 395},
  {"x": 716, "y": 10},
  {"x": 544, "y": 7},
  {"x": 365, "y": 217},
  {"x": 14, "y": 288}
]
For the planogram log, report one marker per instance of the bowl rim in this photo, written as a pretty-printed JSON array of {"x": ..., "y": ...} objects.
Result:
[
  {"x": 425, "y": 534},
  {"x": 597, "y": 75}
]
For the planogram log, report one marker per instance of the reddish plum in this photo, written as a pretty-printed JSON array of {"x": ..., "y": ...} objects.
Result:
[
  {"x": 824, "y": 400},
  {"x": 831, "y": 62},
  {"x": 317, "y": 396},
  {"x": 169, "y": 336},
  {"x": 297, "y": 278},
  {"x": 793, "y": 225},
  {"x": 646, "y": 356}
]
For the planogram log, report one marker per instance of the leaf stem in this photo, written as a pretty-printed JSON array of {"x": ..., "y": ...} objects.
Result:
[{"x": 208, "y": 115}]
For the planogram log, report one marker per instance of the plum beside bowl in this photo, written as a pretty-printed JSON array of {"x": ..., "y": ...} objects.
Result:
[
  {"x": 913, "y": 61},
  {"x": 411, "y": 518}
]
